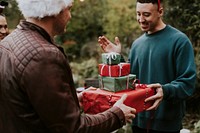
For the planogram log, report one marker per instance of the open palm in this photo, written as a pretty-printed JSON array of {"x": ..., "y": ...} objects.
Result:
[{"x": 108, "y": 46}]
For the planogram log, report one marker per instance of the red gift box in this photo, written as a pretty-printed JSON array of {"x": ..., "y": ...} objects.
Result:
[
  {"x": 121, "y": 69},
  {"x": 96, "y": 101}
]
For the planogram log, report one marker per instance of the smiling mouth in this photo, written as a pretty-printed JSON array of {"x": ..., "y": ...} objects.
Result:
[{"x": 144, "y": 27}]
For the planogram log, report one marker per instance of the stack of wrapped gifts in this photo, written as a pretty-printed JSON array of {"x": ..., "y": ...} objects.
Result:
[
  {"x": 113, "y": 75},
  {"x": 114, "y": 81}
]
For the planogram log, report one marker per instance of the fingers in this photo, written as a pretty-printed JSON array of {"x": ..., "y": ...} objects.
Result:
[
  {"x": 103, "y": 40},
  {"x": 90, "y": 88},
  {"x": 123, "y": 98},
  {"x": 107, "y": 46},
  {"x": 117, "y": 41},
  {"x": 154, "y": 85},
  {"x": 129, "y": 121},
  {"x": 130, "y": 116},
  {"x": 159, "y": 92},
  {"x": 151, "y": 98},
  {"x": 157, "y": 98},
  {"x": 154, "y": 106},
  {"x": 129, "y": 112}
]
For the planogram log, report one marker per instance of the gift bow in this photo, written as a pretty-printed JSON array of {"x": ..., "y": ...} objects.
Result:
[
  {"x": 141, "y": 86},
  {"x": 136, "y": 84},
  {"x": 111, "y": 56}
]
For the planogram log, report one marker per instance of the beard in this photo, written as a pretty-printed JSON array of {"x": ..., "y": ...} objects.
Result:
[{"x": 59, "y": 27}]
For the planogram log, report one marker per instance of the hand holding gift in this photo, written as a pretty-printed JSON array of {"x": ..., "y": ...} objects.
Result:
[
  {"x": 157, "y": 98},
  {"x": 99, "y": 100},
  {"x": 129, "y": 112}
]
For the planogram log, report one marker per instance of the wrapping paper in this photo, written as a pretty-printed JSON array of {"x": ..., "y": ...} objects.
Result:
[
  {"x": 96, "y": 101},
  {"x": 121, "y": 69},
  {"x": 115, "y": 84},
  {"x": 111, "y": 58}
]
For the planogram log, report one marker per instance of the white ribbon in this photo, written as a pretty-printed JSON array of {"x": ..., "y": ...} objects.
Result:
[
  {"x": 103, "y": 65},
  {"x": 111, "y": 56},
  {"x": 127, "y": 82},
  {"x": 120, "y": 69},
  {"x": 110, "y": 70}
]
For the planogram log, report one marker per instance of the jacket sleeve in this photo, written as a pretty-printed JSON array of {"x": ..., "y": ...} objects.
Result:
[{"x": 48, "y": 83}]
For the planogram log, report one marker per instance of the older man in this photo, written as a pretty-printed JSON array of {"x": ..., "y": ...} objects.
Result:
[{"x": 37, "y": 93}]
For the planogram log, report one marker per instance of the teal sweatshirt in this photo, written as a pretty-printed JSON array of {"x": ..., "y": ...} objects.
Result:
[{"x": 164, "y": 57}]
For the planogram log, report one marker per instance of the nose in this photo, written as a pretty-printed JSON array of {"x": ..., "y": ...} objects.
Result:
[
  {"x": 141, "y": 19},
  {"x": 3, "y": 29}
]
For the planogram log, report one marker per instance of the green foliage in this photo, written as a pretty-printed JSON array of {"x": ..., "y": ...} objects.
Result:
[
  {"x": 12, "y": 13},
  {"x": 85, "y": 25},
  {"x": 84, "y": 69},
  {"x": 120, "y": 19},
  {"x": 86, "y": 19},
  {"x": 185, "y": 15}
]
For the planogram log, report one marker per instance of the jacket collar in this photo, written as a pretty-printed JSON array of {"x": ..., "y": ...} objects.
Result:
[
  {"x": 24, "y": 25},
  {"x": 30, "y": 26}
]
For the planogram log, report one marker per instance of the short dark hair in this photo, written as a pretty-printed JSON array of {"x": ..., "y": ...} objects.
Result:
[
  {"x": 158, "y": 2},
  {"x": 149, "y": 1}
]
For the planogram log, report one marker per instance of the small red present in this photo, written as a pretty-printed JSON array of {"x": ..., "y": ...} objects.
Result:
[
  {"x": 96, "y": 101},
  {"x": 121, "y": 69}
]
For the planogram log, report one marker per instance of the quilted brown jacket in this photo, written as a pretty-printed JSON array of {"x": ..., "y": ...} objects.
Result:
[{"x": 37, "y": 93}]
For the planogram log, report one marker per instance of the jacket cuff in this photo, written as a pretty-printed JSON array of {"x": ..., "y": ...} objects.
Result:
[{"x": 119, "y": 114}]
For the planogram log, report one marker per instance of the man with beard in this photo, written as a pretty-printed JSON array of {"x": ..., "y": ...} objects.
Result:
[{"x": 37, "y": 93}]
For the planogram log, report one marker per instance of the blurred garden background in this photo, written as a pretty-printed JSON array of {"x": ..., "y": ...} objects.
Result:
[{"x": 92, "y": 18}]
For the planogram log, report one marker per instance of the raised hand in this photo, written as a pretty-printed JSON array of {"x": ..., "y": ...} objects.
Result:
[
  {"x": 129, "y": 112},
  {"x": 108, "y": 46}
]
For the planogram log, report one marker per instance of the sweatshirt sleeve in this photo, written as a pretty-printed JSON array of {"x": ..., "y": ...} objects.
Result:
[{"x": 184, "y": 83}]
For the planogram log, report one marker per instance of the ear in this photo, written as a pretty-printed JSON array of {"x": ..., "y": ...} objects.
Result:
[{"x": 161, "y": 11}]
